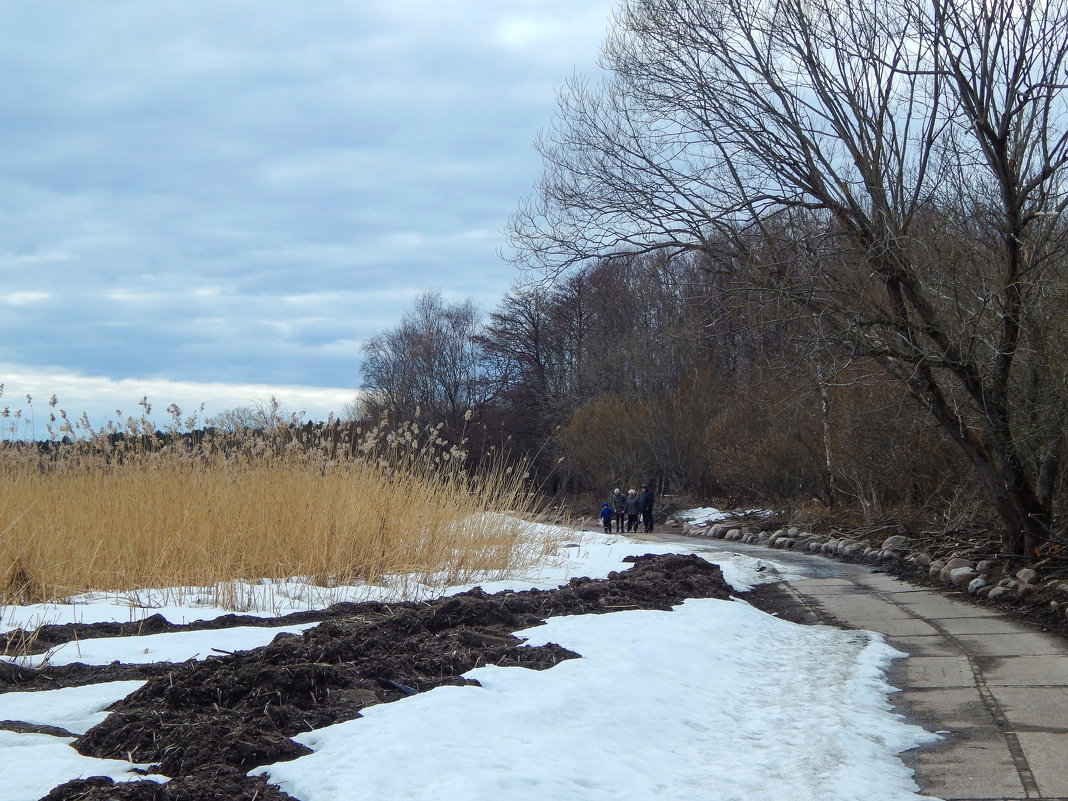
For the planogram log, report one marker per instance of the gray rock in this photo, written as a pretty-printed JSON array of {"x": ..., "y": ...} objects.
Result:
[
  {"x": 1027, "y": 575},
  {"x": 976, "y": 584},
  {"x": 998, "y": 593},
  {"x": 986, "y": 566},
  {"x": 959, "y": 576},
  {"x": 851, "y": 548},
  {"x": 894, "y": 543},
  {"x": 935, "y": 567},
  {"x": 920, "y": 559},
  {"x": 952, "y": 565},
  {"x": 1026, "y": 589}
]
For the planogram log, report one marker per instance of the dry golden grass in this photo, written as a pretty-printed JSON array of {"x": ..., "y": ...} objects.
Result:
[{"x": 335, "y": 505}]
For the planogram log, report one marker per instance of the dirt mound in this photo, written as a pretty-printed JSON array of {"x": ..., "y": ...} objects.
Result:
[
  {"x": 53, "y": 634},
  {"x": 217, "y": 784},
  {"x": 207, "y": 723}
]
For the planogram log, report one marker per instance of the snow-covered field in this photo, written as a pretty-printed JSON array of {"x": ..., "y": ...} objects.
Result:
[{"x": 713, "y": 700}]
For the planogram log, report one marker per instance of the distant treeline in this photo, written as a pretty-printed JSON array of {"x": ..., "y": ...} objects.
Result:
[{"x": 633, "y": 370}]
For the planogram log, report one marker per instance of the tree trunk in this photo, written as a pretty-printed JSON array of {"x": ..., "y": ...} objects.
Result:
[
  {"x": 830, "y": 490},
  {"x": 1027, "y": 520},
  {"x": 1026, "y": 525}
]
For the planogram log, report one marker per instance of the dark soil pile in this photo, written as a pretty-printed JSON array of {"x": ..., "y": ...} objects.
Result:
[{"x": 205, "y": 724}]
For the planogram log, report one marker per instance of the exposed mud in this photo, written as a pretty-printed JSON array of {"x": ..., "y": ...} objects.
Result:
[{"x": 207, "y": 723}]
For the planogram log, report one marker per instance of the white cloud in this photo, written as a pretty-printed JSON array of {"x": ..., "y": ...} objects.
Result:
[
  {"x": 24, "y": 298},
  {"x": 103, "y": 399},
  {"x": 528, "y": 32}
]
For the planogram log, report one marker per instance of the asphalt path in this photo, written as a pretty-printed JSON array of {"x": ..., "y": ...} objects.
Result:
[{"x": 997, "y": 690}]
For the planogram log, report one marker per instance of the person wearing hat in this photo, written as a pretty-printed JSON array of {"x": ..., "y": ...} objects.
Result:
[
  {"x": 633, "y": 509},
  {"x": 619, "y": 506},
  {"x": 606, "y": 517}
]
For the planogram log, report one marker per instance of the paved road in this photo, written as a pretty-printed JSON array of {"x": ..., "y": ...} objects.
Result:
[{"x": 999, "y": 689}]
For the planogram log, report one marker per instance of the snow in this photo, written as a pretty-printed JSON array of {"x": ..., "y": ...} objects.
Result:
[
  {"x": 176, "y": 647},
  {"x": 32, "y": 764},
  {"x": 688, "y": 704},
  {"x": 713, "y": 700},
  {"x": 591, "y": 554},
  {"x": 76, "y": 709},
  {"x": 707, "y": 515}
]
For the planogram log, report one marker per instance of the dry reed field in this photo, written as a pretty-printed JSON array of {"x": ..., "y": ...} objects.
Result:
[{"x": 131, "y": 509}]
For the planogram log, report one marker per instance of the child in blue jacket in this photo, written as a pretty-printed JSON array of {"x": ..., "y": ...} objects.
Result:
[{"x": 606, "y": 517}]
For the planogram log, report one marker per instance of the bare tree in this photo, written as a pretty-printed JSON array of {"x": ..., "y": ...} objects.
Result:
[
  {"x": 429, "y": 369},
  {"x": 261, "y": 415},
  {"x": 894, "y": 169}
]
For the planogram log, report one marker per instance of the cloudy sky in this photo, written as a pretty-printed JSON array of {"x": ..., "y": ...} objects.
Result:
[{"x": 218, "y": 201}]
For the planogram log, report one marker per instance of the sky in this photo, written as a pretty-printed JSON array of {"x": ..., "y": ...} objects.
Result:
[
  {"x": 711, "y": 701},
  {"x": 217, "y": 202}
]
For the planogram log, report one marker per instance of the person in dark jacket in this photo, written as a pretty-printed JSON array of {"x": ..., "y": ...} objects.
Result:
[
  {"x": 606, "y": 517},
  {"x": 633, "y": 509},
  {"x": 645, "y": 502},
  {"x": 619, "y": 506}
]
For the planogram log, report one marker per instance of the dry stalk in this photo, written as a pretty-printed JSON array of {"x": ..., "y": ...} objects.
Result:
[{"x": 132, "y": 509}]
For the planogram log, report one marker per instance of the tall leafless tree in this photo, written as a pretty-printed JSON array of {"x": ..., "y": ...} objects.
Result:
[
  {"x": 429, "y": 368},
  {"x": 894, "y": 168}
]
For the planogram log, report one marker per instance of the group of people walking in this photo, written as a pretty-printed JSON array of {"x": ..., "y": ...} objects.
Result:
[{"x": 630, "y": 506}]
